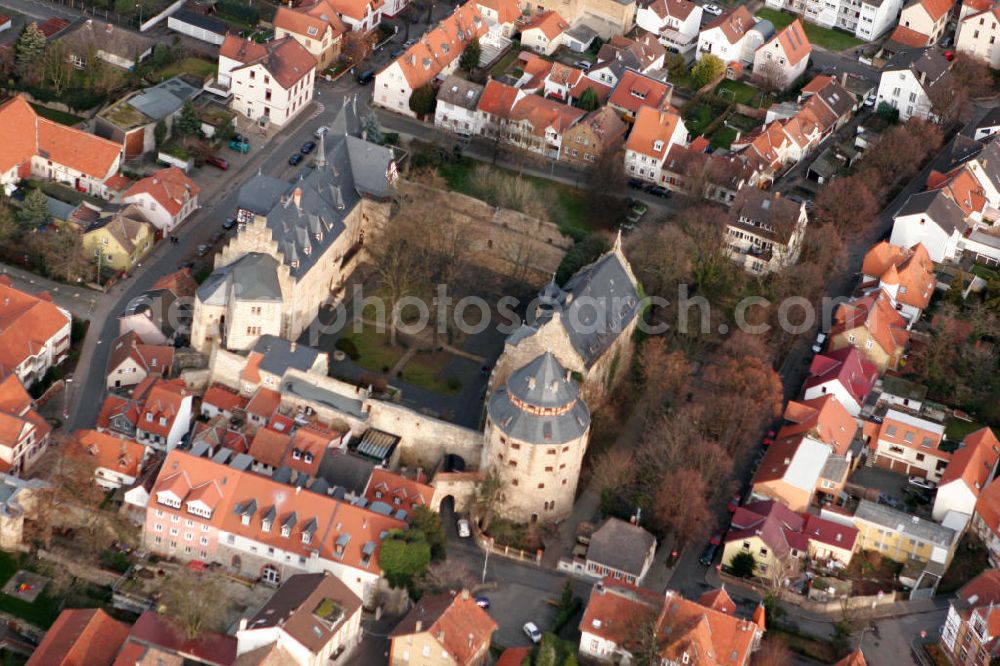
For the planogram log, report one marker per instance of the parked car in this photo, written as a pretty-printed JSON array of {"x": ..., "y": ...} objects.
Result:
[
  {"x": 921, "y": 482},
  {"x": 398, "y": 52},
  {"x": 637, "y": 184},
  {"x": 659, "y": 191},
  {"x": 870, "y": 100},
  {"x": 949, "y": 55},
  {"x": 366, "y": 77},
  {"x": 308, "y": 147},
  {"x": 889, "y": 500},
  {"x": 321, "y": 131},
  {"x": 734, "y": 503},
  {"x": 713, "y": 9},
  {"x": 921, "y": 496},
  {"x": 229, "y": 223},
  {"x": 464, "y": 530},
  {"x": 239, "y": 146},
  {"x": 202, "y": 250},
  {"x": 532, "y": 632},
  {"x": 218, "y": 162},
  {"x": 585, "y": 65},
  {"x": 947, "y": 42},
  {"x": 408, "y": 43},
  {"x": 818, "y": 345},
  {"x": 295, "y": 159},
  {"x": 483, "y": 602},
  {"x": 708, "y": 555}
]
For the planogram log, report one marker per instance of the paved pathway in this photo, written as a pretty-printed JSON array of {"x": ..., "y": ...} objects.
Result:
[{"x": 80, "y": 301}]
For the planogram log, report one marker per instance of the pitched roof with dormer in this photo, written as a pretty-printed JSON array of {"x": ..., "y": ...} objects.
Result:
[
  {"x": 169, "y": 187},
  {"x": 123, "y": 456},
  {"x": 822, "y": 418},
  {"x": 875, "y": 313},
  {"x": 691, "y": 633},
  {"x": 27, "y": 324},
  {"x": 441, "y": 45},
  {"x": 847, "y": 366},
  {"x": 734, "y": 24},
  {"x": 151, "y": 358},
  {"x": 653, "y": 131},
  {"x": 550, "y": 23},
  {"x": 636, "y": 90},
  {"x": 454, "y": 620},
  {"x": 398, "y": 491},
  {"x": 161, "y": 399},
  {"x": 911, "y": 269},
  {"x": 311, "y": 21}
]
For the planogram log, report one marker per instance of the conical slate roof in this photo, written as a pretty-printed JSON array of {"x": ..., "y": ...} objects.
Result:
[{"x": 540, "y": 404}]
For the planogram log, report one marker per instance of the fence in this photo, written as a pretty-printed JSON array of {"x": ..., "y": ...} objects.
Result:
[
  {"x": 486, "y": 543},
  {"x": 149, "y": 23},
  {"x": 832, "y": 608}
]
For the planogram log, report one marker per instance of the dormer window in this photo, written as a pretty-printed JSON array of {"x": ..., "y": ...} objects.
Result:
[
  {"x": 286, "y": 531},
  {"x": 307, "y": 458},
  {"x": 658, "y": 145},
  {"x": 296, "y": 454},
  {"x": 307, "y": 250},
  {"x": 312, "y": 31},
  {"x": 149, "y": 417},
  {"x": 163, "y": 421},
  {"x": 265, "y": 525},
  {"x": 245, "y": 519},
  {"x": 306, "y": 537}
]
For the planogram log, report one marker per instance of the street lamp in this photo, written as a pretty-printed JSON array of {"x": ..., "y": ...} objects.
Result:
[{"x": 69, "y": 384}]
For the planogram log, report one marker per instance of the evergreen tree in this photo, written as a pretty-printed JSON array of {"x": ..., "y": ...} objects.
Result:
[
  {"x": 373, "y": 131},
  {"x": 34, "y": 211},
  {"x": 470, "y": 56},
  {"x": 588, "y": 100},
  {"x": 706, "y": 70},
  {"x": 30, "y": 46},
  {"x": 422, "y": 100},
  {"x": 187, "y": 122}
]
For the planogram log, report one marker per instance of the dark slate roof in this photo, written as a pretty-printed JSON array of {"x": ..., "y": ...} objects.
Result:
[
  {"x": 459, "y": 92},
  {"x": 545, "y": 384},
  {"x": 209, "y": 23},
  {"x": 159, "y": 101},
  {"x": 345, "y": 470},
  {"x": 607, "y": 284},
  {"x": 280, "y": 356},
  {"x": 840, "y": 100},
  {"x": 765, "y": 213},
  {"x": 300, "y": 387},
  {"x": 929, "y": 62},
  {"x": 261, "y": 193},
  {"x": 937, "y": 206},
  {"x": 620, "y": 545},
  {"x": 252, "y": 277},
  {"x": 989, "y": 159},
  {"x": 370, "y": 164}
]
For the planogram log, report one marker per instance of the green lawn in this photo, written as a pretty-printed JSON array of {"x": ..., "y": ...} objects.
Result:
[
  {"x": 424, "y": 370},
  {"x": 699, "y": 118},
  {"x": 374, "y": 350},
  {"x": 957, "y": 429},
  {"x": 504, "y": 64},
  {"x": 58, "y": 116},
  {"x": 833, "y": 40},
  {"x": 736, "y": 91},
  {"x": 41, "y": 612},
  {"x": 723, "y": 137},
  {"x": 193, "y": 66}
]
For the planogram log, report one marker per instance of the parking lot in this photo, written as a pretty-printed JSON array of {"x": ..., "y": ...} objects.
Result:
[{"x": 893, "y": 487}]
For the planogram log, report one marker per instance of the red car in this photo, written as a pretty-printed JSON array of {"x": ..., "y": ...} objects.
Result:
[
  {"x": 734, "y": 503},
  {"x": 716, "y": 539},
  {"x": 949, "y": 55},
  {"x": 218, "y": 162}
]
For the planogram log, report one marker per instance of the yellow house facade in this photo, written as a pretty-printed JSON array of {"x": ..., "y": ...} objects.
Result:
[
  {"x": 121, "y": 241},
  {"x": 902, "y": 537}
]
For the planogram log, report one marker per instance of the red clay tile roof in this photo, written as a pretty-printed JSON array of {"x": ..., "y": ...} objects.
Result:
[
  {"x": 268, "y": 447},
  {"x": 713, "y": 637},
  {"x": 25, "y": 134},
  {"x": 794, "y": 42},
  {"x": 497, "y": 98},
  {"x": 615, "y": 608},
  {"x": 310, "y": 20},
  {"x": 169, "y": 187},
  {"x": 441, "y": 45},
  {"x": 81, "y": 637},
  {"x": 823, "y": 418},
  {"x": 513, "y": 656},
  {"x": 975, "y": 462},
  {"x": 988, "y": 507},
  {"x": 652, "y": 126},
  {"x": 507, "y": 11},
  {"x": 264, "y": 402},
  {"x": 849, "y": 367},
  {"x": 856, "y": 658},
  {"x": 909, "y": 37},
  {"x": 937, "y": 8},
  {"x": 636, "y": 90},
  {"x": 285, "y": 59},
  {"x": 114, "y": 405},
  {"x": 734, "y": 24},
  {"x": 875, "y": 313},
  {"x": 719, "y": 600},
  {"x": 151, "y": 358},
  {"x": 223, "y": 398},
  {"x": 162, "y": 399},
  {"x": 180, "y": 283},
  {"x": 398, "y": 491},
  {"x": 679, "y": 9},
  {"x": 123, "y": 456},
  {"x": 550, "y": 23},
  {"x": 309, "y": 444},
  {"x": 53, "y": 26},
  {"x": 26, "y": 323},
  {"x": 17, "y": 414},
  {"x": 466, "y": 627},
  {"x": 210, "y": 647}
]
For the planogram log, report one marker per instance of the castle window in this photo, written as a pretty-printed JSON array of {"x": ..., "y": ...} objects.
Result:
[{"x": 541, "y": 485}]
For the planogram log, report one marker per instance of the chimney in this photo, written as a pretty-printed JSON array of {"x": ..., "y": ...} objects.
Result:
[
  {"x": 298, "y": 489},
  {"x": 291, "y": 347},
  {"x": 419, "y": 627},
  {"x": 297, "y": 197},
  {"x": 465, "y": 594},
  {"x": 243, "y": 623}
]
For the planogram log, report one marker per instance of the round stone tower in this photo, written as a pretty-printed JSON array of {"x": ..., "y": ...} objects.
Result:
[{"x": 537, "y": 430}]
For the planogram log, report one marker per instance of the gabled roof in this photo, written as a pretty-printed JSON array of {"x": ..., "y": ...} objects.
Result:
[
  {"x": 679, "y": 9},
  {"x": 652, "y": 131},
  {"x": 620, "y": 545},
  {"x": 398, "y": 491},
  {"x": 123, "y": 456},
  {"x": 550, "y": 23},
  {"x": 94, "y": 34},
  {"x": 284, "y": 59},
  {"x": 719, "y": 600},
  {"x": 27, "y": 323},
  {"x": 170, "y": 187},
  {"x": 767, "y": 214},
  {"x": 24, "y": 134},
  {"x": 988, "y": 507},
  {"x": 223, "y": 398},
  {"x": 441, "y": 45},
  {"x": 310, "y": 608},
  {"x": 639, "y": 54},
  {"x": 710, "y": 636},
  {"x": 973, "y": 464},
  {"x": 771, "y": 521},
  {"x": 793, "y": 42},
  {"x": 938, "y": 207},
  {"x": 507, "y": 11},
  {"x": 605, "y": 125},
  {"x": 847, "y": 366},
  {"x": 162, "y": 399},
  {"x": 909, "y": 37},
  {"x": 457, "y": 91},
  {"x": 151, "y": 358},
  {"x": 454, "y": 620},
  {"x": 876, "y": 314},
  {"x": 856, "y": 658},
  {"x": 158, "y": 632},
  {"x": 936, "y": 8},
  {"x": 823, "y": 418},
  {"x": 17, "y": 414},
  {"x": 911, "y": 269},
  {"x": 636, "y": 90},
  {"x": 310, "y": 20},
  {"x": 615, "y": 608},
  {"x": 796, "y": 461},
  {"x": 128, "y": 227},
  {"x": 268, "y": 447},
  {"x": 81, "y": 637},
  {"x": 734, "y": 24}
]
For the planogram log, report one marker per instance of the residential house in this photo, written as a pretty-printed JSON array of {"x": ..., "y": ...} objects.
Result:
[
  {"x": 781, "y": 539},
  {"x": 163, "y": 313},
  {"x": 822, "y": 418},
  {"x": 970, "y": 631},
  {"x": 675, "y": 22},
  {"x": 34, "y": 333},
  {"x": 643, "y": 54},
  {"x": 271, "y": 83},
  {"x": 166, "y": 198},
  {"x": 159, "y": 639},
  {"x": 237, "y": 523},
  {"x": 434, "y": 56},
  {"x": 901, "y": 536},
  {"x": 561, "y": 80},
  {"x": 448, "y": 628},
  {"x": 119, "y": 240},
  {"x": 317, "y": 26},
  {"x": 132, "y": 120},
  {"x": 42, "y": 148},
  {"x": 620, "y": 550},
  {"x": 914, "y": 82},
  {"x": 311, "y": 620},
  {"x": 706, "y": 630},
  {"x": 24, "y": 434},
  {"x": 112, "y": 44},
  {"x": 970, "y": 470},
  {"x": 531, "y": 122},
  {"x": 132, "y": 360},
  {"x": 933, "y": 220},
  {"x": 724, "y": 37},
  {"x": 865, "y": 19},
  {"x": 977, "y": 34},
  {"x": 599, "y": 133},
  {"x": 117, "y": 462},
  {"x": 504, "y": 13},
  {"x": 544, "y": 32},
  {"x": 164, "y": 415},
  {"x": 794, "y": 470},
  {"x": 718, "y": 177},
  {"x": 365, "y": 15},
  {"x": 911, "y": 445},
  {"x": 455, "y": 110},
  {"x": 635, "y": 91},
  {"x": 271, "y": 357},
  {"x": 845, "y": 374},
  {"x": 764, "y": 231},
  {"x": 872, "y": 324},
  {"x": 81, "y": 636},
  {"x": 926, "y": 18},
  {"x": 986, "y": 520},
  {"x": 653, "y": 135},
  {"x": 905, "y": 274},
  {"x": 398, "y": 492},
  {"x": 606, "y": 18},
  {"x": 782, "y": 60}
]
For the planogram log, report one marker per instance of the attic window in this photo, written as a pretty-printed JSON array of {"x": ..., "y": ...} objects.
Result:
[
  {"x": 307, "y": 458},
  {"x": 307, "y": 537},
  {"x": 245, "y": 519},
  {"x": 658, "y": 145},
  {"x": 286, "y": 531},
  {"x": 296, "y": 454},
  {"x": 312, "y": 31},
  {"x": 265, "y": 525}
]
